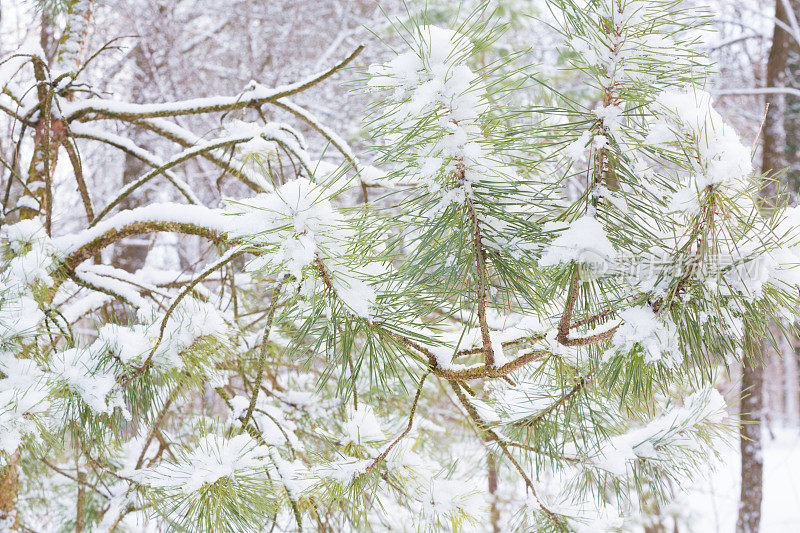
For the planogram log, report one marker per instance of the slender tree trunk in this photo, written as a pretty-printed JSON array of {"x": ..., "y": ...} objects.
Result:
[
  {"x": 774, "y": 134},
  {"x": 80, "y": 508},
  {"x": 750, "y": 436},
  {"x": 773, "y": 160},
  {"x": 791, "y": 399},
  {"x": 37, "y": 203},
  {"x": 9, "y": 487},
  {"x": 793, "y": 110},
  {"x": 494, "y": 512},
  {"x": 131, "y": 254}
]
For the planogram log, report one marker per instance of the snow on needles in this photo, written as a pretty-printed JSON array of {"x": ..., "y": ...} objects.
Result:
[
  {"x": 721, "y": 158},
  {"x": 199, "y": 216},
  {"x": 584, "y": 240},
  {"x": 362, "y": 425},
  {"x": 674, "y": 427},
  {"x": 434, "y": 85},
  {"x": 295, "y": 218},
  {"x": 301, "y": 232},
  {"x": 656, "y": 337},
  {"x": 191, "y": 321},
  {"x": 214, "y": 458}
]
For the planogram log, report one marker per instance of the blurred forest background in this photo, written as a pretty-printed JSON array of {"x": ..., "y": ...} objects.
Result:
[{"x": 163, "y": 50}]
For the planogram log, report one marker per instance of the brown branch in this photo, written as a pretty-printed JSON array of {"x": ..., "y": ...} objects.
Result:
[
  {"x": 483, "y": 289},
  {"x": 405, "y": 432},
  {"x": 138, "y": 155},
  {"x": 491, "y": 371},
  {"x": 591, "y": 339},
  {"x": 566, "y": 317},
  {"x": 128, "y": 189},
  {"x": 43, "y": 152},
  {"x": 77, "y": 168},
  {"x": 490, "y": 435},
  {"x": 137, "y": 228},
  {"x": 602, "y": 315},
  {"x": 467, "y": 373},
  {"x": 323, "y": 272},
  {"x": 208, "y": 105},
  {"x": 533, "y": 338},
  {"x": 507, "y": 344},
  {"x": 273, "y": 304},
  {"x": 566, "y": 324},
  {"x": 580, "y": 385},
  {"x": 218, "y": 161}
]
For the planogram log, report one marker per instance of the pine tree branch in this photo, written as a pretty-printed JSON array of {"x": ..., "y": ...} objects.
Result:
[
  {"x": 262, "y": 356},
  {"x": 491, "y": 435},
  {"x": 115, "y": 234},
  {"x": 129, "y": 148},
  {"x": 480, "y": 265},
  {"x": 77, "y": 170},
  {"x": 219, "y": 263},
  {"x": 582, "y": 383},
  {"x": 178, "y": 159},
  {"x": 407, "y": 430},
  {"x": 170, "y": 132}
]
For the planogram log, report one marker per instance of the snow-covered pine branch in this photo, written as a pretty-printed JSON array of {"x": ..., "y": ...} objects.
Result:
[{"x": 552, "y": 267}]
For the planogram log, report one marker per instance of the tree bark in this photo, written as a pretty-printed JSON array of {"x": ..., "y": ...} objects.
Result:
[
  {"x": 750, "y": 441},
  {"x": 80, "y": 508},
  {"x": 773, "y": 155},
  {"x": 791, "y": 400},
  {"x": 773, "y": 160},
  {"x": 494, "y": 511},
  {"x": 38, "y": 190},
  {"x": 132, "y": 254},
  {"x": 793, "y": 110},
  {"x": 9, "y": 487}
]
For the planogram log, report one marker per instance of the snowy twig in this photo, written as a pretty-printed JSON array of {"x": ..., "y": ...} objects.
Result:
[
  {"x": 222, "y": 261},
  {"x": 253, "y": 96},
  {"x": 405, "y": 432},
  {"x": 126, "y": 145},
  {"x": 332, "y": 137},
  {"x": 493, "y": 436},
  {"x": 262, "y": 355},
  {"x": 579, "y": 386},
  {"x": 483, "y": 289}
]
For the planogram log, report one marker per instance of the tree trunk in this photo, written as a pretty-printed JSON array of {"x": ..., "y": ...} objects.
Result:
[
  {"x": 750, "y": 435},
  {"x": 791, "y": 399},
  {"x": 774, "y": 134},
  {"x": 494, "y": 512},
  {"x": 793, "y": 110},
  {"x": 36, "y": 201},
  {"x": 773, "y": 160},
  {"x": 131, "y": 254},
  {"x": 9, "y": 487}
]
